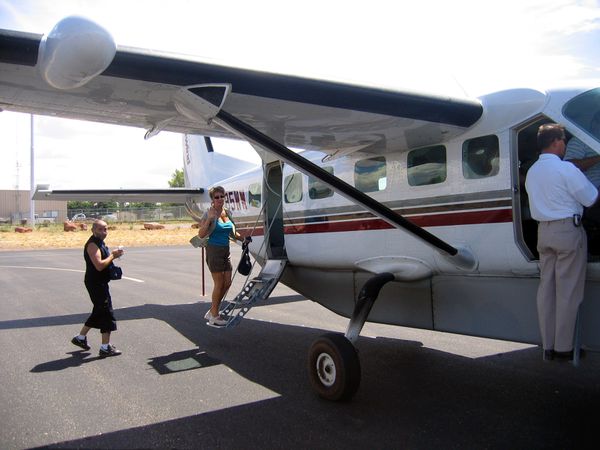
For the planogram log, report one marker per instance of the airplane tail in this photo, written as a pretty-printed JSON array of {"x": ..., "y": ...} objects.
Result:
[{"x": 203, "y": 167}]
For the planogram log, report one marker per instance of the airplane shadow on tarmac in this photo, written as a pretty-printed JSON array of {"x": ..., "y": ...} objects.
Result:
[{"x": 410, "y": 396}]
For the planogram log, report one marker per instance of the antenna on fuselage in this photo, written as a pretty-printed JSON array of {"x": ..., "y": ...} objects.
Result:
[{"x": 460, "y": 85}]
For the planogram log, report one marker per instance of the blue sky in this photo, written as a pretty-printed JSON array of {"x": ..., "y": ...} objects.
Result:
[{"x": 454, "y": 48}]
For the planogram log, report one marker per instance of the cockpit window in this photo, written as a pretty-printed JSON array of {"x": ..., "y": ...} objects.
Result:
[{"x": 584, "y": 111}]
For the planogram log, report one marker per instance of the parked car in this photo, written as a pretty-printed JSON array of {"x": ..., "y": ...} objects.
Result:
[
  {"x": 41, "y": 220},
  {"x": 78, "y": 217},
  {"x": 110, "y": 218}
]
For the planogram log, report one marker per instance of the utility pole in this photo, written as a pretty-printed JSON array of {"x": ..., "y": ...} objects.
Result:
[
  {"x": 17, "y": 196},
  {"x": 32, "y": 180}
]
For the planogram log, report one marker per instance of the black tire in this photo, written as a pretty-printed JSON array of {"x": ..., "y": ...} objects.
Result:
[{"x": 334, "y": 367}]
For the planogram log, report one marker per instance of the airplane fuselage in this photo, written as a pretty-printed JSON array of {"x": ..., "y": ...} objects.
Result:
[{"x": 468, "y": 191}]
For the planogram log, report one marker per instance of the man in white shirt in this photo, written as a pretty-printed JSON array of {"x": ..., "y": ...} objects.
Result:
[{"x": 558, "y": 191}]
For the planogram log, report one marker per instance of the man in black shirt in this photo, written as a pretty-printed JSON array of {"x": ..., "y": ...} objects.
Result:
[{"x": 98, "y": 258}]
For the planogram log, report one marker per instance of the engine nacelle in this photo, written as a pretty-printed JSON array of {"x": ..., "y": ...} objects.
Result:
[{"x": 74, "y": 52}]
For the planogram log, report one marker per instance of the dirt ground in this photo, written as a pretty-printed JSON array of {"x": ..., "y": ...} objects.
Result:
[{"x": 128, "y": 235}]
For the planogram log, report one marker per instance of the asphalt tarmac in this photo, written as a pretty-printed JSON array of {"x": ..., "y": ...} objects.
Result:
[{"x": 182, "y": 384}]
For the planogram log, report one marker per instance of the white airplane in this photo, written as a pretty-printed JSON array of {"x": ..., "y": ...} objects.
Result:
[{"x": 404, "y": 209}]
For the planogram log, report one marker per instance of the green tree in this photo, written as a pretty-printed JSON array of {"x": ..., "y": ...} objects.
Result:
[
  {"x": 136, "y": 205},
  {"x": 79, "y": 205},
  {"x": 177, "y": 179},
  {"x": 107, "y": 205}
]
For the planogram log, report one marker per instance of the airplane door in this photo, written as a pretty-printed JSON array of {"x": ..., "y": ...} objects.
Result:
[
  {"x": 527, "y": 154},
  {"x": 272, "y": 193},
  {"x": 525, "y": 226}
]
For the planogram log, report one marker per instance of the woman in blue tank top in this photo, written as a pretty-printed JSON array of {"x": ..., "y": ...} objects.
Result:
[{"x": 217, "y": 224}]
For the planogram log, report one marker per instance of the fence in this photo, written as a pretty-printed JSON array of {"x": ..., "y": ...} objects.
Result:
[{"x": 152, "y": 214}]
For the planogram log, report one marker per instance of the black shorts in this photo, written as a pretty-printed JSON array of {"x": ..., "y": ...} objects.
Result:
[
  {"x": 218, "y": 258},
  {"x": 102, "y": 316}
]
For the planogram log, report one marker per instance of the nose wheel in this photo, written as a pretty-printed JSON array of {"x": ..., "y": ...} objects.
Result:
[{"x": 334, "y": 367}]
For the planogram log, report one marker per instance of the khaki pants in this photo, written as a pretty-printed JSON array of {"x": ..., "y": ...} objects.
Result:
[{"x": 563, "y": 262}]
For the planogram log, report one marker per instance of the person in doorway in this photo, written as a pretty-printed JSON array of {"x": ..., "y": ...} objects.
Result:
[
  {"x": 588, "y": 161},
  {"x": 583, "y": 156},
  {"x": 558, "y": 191},
  {"x": 216, "y": 223},
  {"x": 98, "y": 258}
]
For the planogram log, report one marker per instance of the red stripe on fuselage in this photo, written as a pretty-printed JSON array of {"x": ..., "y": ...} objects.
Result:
[{"x": 431, "y": 220}]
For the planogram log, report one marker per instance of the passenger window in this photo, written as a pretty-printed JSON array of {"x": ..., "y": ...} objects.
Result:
[
  {"x": 370, "y": 175},
  {"x": 427, "y": 166},
  {"x": 317, "y": 189},
  {"x": 254, "y": 195},
  {"x": 481, "y": 157},
  {"x": 293, "y": 188},
  {"x": 584, "y": 110}
]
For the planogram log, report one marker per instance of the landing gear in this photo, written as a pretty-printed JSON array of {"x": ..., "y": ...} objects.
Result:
[
  {"x": 333, "y": 364},
  {"x": 333, "y": 367}
]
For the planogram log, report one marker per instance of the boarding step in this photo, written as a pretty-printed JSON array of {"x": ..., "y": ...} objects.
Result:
[{"x": 255, "y": 290}]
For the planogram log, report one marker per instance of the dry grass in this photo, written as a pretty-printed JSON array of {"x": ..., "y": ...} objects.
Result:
[{"x": 128, "y": 235}]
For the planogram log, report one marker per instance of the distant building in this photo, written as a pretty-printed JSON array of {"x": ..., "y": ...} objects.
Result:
[{"x": 14, "y": 207}]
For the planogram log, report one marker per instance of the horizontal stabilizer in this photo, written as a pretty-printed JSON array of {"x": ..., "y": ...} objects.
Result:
[{"x": 172, "y": 195}]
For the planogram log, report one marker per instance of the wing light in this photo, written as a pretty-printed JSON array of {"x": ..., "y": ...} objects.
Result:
[{"x": 74, "y": 52}]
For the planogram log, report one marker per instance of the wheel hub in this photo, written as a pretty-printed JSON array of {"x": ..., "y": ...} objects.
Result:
[{"x": 326, "y": 369}]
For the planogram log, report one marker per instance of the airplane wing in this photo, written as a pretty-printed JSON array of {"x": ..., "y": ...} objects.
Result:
[{"x": 138, "y": 89}]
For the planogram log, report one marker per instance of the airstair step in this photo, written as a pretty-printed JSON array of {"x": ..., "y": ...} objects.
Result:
[{"x": 255, "y": 290}]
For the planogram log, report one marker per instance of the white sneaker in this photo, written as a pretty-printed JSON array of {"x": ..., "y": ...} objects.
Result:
[{"x": 215, "y": 321}]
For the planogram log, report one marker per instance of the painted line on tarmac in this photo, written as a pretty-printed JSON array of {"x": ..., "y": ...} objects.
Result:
[{"x": 63, "y": 270}]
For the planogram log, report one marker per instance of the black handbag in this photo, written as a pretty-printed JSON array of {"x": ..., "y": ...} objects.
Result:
[
  {"x": 114, "y": 272},
  {"x": 245, "y": 266}
]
